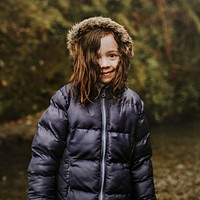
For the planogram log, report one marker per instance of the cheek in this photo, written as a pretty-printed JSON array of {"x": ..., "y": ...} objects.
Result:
[
  {"x": 118, "y": 66},
  {"x": 115, "y": 64}
]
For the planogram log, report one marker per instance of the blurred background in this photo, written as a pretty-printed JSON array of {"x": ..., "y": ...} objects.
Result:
[{"x": 165, "y": 71}]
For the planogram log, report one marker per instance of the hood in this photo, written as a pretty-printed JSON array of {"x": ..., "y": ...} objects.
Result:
[{"x": 86, "y": 25}]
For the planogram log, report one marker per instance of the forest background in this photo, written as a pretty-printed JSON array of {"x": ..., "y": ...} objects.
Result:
[
  {"x": 34, "y": 61},
  {"x": 165, "y": 71}
]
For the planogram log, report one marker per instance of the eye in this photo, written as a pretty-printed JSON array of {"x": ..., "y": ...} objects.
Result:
[{"x": 113, "y": 56}]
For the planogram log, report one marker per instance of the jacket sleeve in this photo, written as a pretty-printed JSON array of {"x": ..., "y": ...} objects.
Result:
[
  {"x": 142, "y": 171},
  {"x": 47, "y": 148}
]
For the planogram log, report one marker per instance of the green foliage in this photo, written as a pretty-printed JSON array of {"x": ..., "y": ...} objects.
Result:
[
  {"x": 165, "y": 70},
  {"x": 29, "y": 36}
]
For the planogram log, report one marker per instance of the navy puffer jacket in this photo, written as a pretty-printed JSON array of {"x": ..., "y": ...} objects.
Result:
[{"x": 99, "y": 152}]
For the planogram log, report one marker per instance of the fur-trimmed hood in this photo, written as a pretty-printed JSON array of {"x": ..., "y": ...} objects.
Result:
[{"x": 86, "y": 25}]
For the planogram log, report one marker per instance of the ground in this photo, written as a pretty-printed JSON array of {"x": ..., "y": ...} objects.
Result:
[{"x": 176, "y": 159}]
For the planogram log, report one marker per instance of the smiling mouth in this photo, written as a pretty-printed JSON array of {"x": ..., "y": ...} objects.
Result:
[{"x": 106, "y": 73}]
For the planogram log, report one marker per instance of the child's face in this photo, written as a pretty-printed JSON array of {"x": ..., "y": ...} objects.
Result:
[{"x": 108, "y": 59}]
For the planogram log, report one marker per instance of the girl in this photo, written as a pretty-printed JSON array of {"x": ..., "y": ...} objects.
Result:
[{"x": 93, "y": 141}]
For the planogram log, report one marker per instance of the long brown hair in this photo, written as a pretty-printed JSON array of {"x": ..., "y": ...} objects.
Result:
[{"x": 86, "y": 70}]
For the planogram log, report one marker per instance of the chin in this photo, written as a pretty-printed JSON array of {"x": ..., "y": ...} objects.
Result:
[{"x": 106, "y": 82}]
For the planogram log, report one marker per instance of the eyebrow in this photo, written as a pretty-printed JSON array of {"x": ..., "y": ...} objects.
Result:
[{"x": 111, "y": 51}]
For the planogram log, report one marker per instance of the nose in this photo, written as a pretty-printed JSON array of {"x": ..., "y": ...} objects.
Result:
[{"x": 104, "y": 62}]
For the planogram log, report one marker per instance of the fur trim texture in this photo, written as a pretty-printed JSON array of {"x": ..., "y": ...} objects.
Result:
[{"x": 86, "y": 25}]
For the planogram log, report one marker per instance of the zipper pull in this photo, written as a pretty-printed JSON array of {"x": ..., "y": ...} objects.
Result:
[{"x": 103, "y": 94}]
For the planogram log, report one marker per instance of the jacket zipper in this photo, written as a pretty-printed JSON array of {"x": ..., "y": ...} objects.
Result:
[{"x": 103, "y": 143}]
